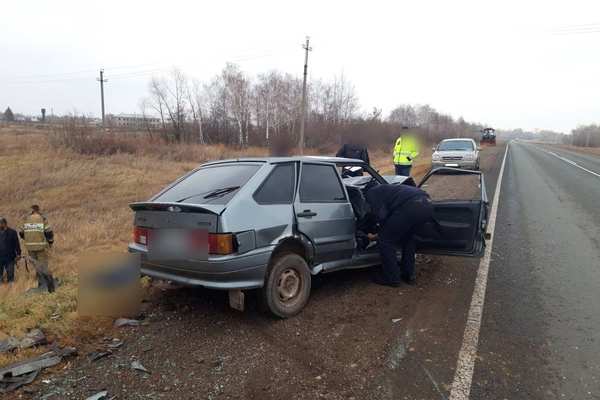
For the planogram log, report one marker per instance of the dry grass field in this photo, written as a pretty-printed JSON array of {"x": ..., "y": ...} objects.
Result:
[{"x": 85, "y": 199}]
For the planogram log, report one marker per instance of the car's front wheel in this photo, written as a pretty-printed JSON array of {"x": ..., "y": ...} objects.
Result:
[{"x": 287, "y": 286}]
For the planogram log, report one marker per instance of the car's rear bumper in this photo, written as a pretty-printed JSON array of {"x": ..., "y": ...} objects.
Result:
[
  {"x": 238, "y": 271},
  {"x": 463, "y": 164}
]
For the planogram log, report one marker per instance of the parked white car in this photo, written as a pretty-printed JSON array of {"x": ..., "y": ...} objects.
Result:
[{"x": 456, "y": 153}]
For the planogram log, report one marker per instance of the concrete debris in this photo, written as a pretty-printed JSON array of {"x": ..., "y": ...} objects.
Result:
[
  {"x": 99, "y": 396},
  {"x": 22, "y": 373},
  {"x": 394, "y": 320},
  {"x": 138, "y": 366},
  {"x": 126, "y": 322}
]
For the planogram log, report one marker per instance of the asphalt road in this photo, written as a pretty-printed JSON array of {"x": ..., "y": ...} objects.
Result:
[{"x": 540, "y": 334}]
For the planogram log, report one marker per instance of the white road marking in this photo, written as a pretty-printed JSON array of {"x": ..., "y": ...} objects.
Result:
[
  {"x": 573, "y": 163},
  {"x": 463, "y": 376}
]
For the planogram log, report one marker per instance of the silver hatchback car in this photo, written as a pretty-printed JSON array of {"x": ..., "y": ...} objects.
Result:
[
  {"x": 456, "y": 153},
  {"x": 272, "y": 223}
]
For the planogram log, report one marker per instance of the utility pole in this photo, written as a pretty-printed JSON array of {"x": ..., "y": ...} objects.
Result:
[
  {"x": 306, "y": 48},
  {"x": 102, "y": 80}
]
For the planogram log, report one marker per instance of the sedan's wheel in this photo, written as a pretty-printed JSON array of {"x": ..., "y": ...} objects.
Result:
[{"x": 287, "y": 286}]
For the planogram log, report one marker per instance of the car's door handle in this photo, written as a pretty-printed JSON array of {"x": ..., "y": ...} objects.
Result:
[{"x": 306, "y": 214}]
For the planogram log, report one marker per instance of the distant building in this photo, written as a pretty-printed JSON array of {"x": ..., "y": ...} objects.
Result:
[{"x": 132, "y": 121}]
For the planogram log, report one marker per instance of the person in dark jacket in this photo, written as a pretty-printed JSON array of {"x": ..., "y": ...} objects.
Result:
[
  {"x": 353, "y": 148},
  {"x": 10, "y": 251},
  {"x": 401, "y": 211}
]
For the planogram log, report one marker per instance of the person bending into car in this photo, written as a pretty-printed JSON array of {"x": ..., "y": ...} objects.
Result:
[{"x": 401, "y": 210}]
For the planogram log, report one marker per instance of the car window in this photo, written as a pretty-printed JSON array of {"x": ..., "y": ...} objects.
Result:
[
  {"x": 210, "y": 185},
  {"x": 320, "y": 184},
  {"x": 456, "y": 145},
  {"x": 279, "y": 186}
]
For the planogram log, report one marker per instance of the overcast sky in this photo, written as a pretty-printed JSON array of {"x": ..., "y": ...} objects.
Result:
[{"x": 510, "y": 63}]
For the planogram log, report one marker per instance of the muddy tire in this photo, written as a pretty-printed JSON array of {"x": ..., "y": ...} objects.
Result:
[{"x": 287, "y": 286}]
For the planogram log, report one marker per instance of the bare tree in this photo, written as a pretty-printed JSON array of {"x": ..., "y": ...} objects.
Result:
[
  {"x": 195, "y": 101},
  {"x": 237, "y": 97}
]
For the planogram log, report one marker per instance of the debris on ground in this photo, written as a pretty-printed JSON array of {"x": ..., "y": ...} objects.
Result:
[
  {"x": 22, "y": 373},
  {"x": 9, "y": 344},
  {"x": 113, "y": 343},
  {"x": 97, "y": 355},
  {"x": 34, "y": 337},
  {"x": 120, "y": 322},
  {"x": 394, "y": 320},
  {"x": 99, "y": 396},
  {"x": 138, "y": 366}
]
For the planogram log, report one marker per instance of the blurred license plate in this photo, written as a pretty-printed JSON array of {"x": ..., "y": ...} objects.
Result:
[
  {"x": 177, "y": 244},
  {"x": 451, "y": 165}
]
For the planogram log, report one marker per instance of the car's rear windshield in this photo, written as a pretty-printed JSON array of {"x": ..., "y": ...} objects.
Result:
[
  {"x": 210, "y": 185},
  {"x": 456, "y": 145}
]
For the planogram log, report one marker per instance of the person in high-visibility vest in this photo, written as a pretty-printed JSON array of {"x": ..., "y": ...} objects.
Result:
[
  {"x": 406, "y": 150},
  {"x": 38, "y": 237}
]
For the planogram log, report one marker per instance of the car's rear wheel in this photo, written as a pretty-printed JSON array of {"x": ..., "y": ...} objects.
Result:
[{"x": 287, "y": 287}]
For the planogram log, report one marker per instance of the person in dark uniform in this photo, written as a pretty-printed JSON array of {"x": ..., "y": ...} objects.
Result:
[
  {"x": 401, "y": 211},
  {"x": 10, "y": 251}
]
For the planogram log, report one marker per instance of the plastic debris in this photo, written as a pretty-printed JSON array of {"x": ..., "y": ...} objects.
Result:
[
  {"x": 99, "y": 396},
  {"x": 126, "y": 322},
  {"x": 97, "y": 355},
  {"x": 24, "y": 372},
  {"x": 34, "y": 337},
  {"x": 138, "y": 366}
]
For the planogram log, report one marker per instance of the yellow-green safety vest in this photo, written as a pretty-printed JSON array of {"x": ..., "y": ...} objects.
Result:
[{"x": 405, "y": 147}]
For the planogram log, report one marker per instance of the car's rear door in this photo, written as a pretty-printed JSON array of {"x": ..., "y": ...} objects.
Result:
[
  {"x": 460, "y": 213},
  {"x": 323, "y": 212}
]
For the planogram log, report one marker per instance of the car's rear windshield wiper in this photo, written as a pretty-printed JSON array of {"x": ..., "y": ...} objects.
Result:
[
  {"x": 189, "y": 197},
  {"x": 220, "y": 192},
  {"x": 211, "y": 193}
]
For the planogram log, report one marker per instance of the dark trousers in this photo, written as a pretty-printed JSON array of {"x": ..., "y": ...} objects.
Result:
[
  {"x": 403, "y": 170},
  {"x": 44, "y": 277},
  {"x": 399, "y": 230},
  {"x": 9, "y": 267}
]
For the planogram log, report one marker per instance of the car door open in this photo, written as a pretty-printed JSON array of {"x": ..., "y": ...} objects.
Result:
[
  {"x": 323, "y": 212},
  {"x": 460, "y": 213}
]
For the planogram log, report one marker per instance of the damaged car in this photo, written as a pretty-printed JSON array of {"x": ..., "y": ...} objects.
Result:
[{"x": 271, "y": 224}]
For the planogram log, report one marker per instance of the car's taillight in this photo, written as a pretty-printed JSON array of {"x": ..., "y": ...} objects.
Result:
[
  {"x": 140, "y": 235},
  {"x": 221, "y": 243}
]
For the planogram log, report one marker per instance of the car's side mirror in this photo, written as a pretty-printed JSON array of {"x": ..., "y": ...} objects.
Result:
[
  {"x": 479, "y": 149},
  {"x": 433, "y": 148}
]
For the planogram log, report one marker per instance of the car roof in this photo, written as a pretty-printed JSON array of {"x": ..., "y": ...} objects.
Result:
[
  {"x": 272, "y": 160},
  {"x": 456, "y": 139}
]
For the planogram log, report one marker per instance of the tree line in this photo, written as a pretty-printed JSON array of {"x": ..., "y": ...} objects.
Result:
[
  {"x": 584, "y": 135},
  {"x": 237, "y": 109}
]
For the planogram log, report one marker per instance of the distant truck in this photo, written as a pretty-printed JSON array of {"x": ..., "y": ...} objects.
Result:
[{"x": 488, "y": 135}]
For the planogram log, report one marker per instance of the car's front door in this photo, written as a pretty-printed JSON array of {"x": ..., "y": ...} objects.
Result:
[
  {"x": 460, "y": 213},
  {"x": 323, "y": 212}
]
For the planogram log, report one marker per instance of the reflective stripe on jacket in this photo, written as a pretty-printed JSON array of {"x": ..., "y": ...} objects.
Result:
[
  {"x": 406, "y": 147},
  {"x": 34, "y": 232}
]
